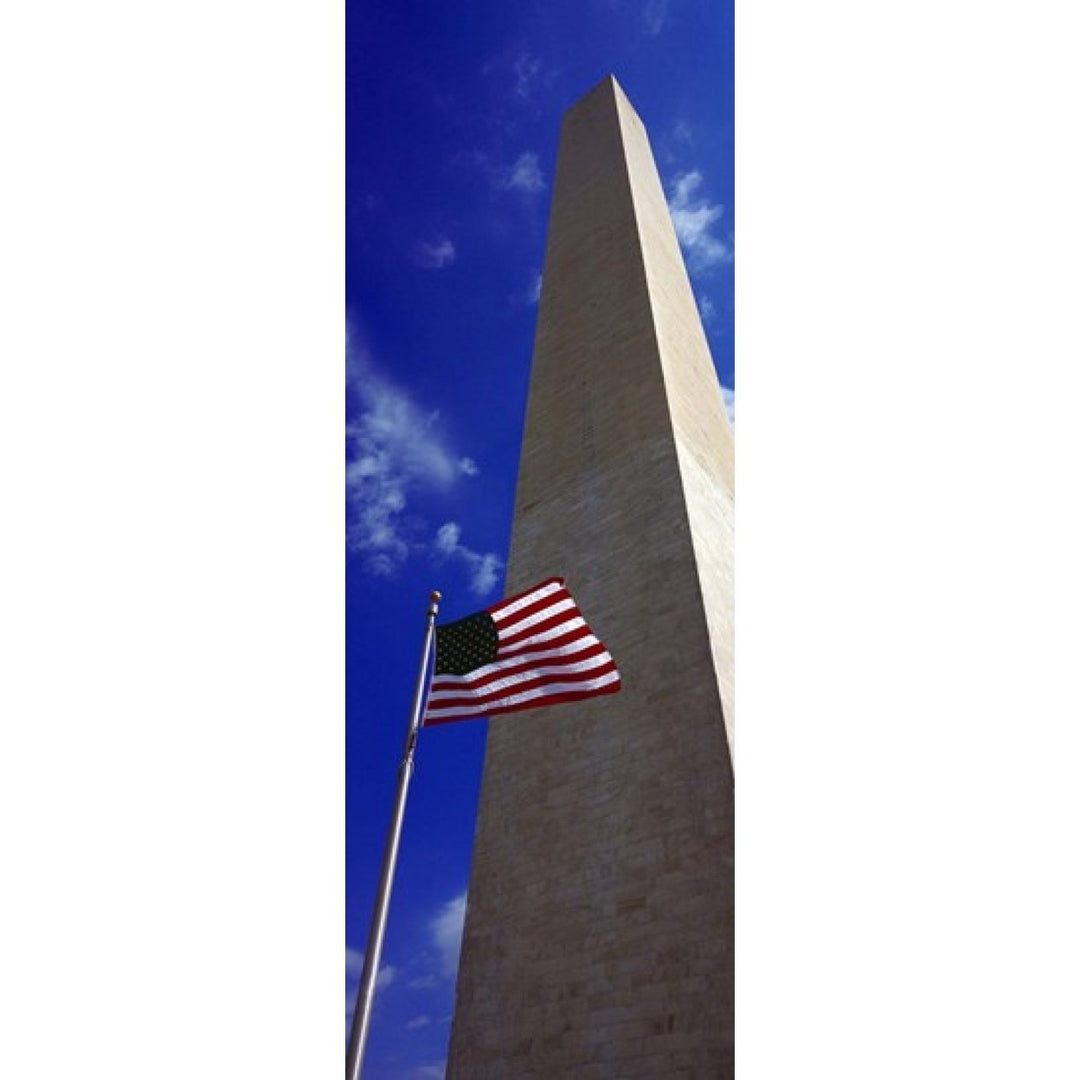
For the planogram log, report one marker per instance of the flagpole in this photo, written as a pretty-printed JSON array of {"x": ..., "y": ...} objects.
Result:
[{"x": 361, "y": 1023}]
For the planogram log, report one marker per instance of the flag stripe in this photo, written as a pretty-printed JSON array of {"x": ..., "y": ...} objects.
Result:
[
  {"x": 580, "y": 649},
  {"x": 559, "y": 600},
  {"x": 497, "y": 680},
  {"x": 550, "y": 695},
  {"x": 565, "y": 631},
  {"x": 526, "y": 682},
  {"x": 536, "y": 624},
  {"x": 506, "y": 608}
]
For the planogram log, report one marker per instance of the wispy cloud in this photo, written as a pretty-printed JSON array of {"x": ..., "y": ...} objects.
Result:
[
  {"x": 518, "y": 77},
  {"x": 393, "y": 448},
  {"x": 729, "y": 402},
  {"x": 446, "y": 928},
  {"x": 534, "y": 289},
  {"x": 524, "y": 175},
  {"x": 682, "y": 134},
  {"x": 695, "y": 218},
  {"x": 484, "y": 570},
  {"x": 354, "y": 968},
  {"x": 429, "y": 1072},
  {"x": 654, "y": 16},
  {"x": 527, "y": 69},
  {"x": 354, "y": 962},
  {"x": 707, "y": 309},
  {"x": 417, "y": 1022},
  {"x": 434, "y": 254}
]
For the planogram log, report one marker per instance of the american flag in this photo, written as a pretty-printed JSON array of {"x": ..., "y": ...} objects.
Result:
[{"x": 527, "y": 650}]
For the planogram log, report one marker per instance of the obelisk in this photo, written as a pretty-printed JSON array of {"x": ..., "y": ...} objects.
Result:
[{"x": 599, "y": 929}]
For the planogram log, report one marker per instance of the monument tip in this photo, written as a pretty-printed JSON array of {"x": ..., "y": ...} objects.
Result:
[{"x": 608, "y": 82}]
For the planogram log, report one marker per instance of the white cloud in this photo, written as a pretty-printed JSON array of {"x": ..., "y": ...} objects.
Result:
[
  {"x": 486, "y": 574},
  {"x": 526, "y": 70},
  {"x": 446, "y": 929},
  {"x": 729, "y": 402},
  {"x": 446, "y": 539},
  {"x": 484, "y": 570},
  {"x": 519, "y": 78},
  {"x": 694, "y": 218},
  {"x": 655, "y": 16},
  {"x": 708, "y": 309},
  {"x": 430, "y": 1072},
  {"x": 392, "y": 449},
  {"x": 438, "y": 964},
  {"x": 535, "y": 288},
  {"x": 354, "y": 962},
  {"x": 354, "y": 968},
  {"x": 682, "y": 134},
  {"x": 524, "y": 175},
  {"x": 434, "y": 255}
]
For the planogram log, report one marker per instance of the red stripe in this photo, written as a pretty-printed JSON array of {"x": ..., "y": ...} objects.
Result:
[
  {"x": 468, "y": 699},
  {"x": 494, "y": 610},
  {"x": 538, "y": 628},
  {"x": 478, "y": 700},
  {"x": 516, "y": 667},
  {"x": 558, "y": 642},
  {"x": 444, "y": 685},
  {"x": 532, "y": 609},
  {"x": 552, "y": 699},
  {"x": 527, "y": 647}
]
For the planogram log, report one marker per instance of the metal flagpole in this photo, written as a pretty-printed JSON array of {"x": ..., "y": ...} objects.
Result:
[{"x": 354, "y": 1060}]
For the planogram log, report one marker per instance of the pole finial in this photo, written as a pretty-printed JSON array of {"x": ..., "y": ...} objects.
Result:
[{"x": 436, "y": 596}]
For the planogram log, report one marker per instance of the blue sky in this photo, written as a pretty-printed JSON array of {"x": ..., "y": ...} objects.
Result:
[{"x": 453, "y": 115}]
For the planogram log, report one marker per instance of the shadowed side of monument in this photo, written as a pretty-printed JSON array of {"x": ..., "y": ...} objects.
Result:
[{"x": 599, "y": 933}]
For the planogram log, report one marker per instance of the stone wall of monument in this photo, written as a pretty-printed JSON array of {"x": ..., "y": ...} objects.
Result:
[{"x": 598, "y": 936}]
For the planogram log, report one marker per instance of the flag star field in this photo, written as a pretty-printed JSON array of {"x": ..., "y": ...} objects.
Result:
[
  {"x": 452, "y": 126},
  {"x": 465, "y": 645}
]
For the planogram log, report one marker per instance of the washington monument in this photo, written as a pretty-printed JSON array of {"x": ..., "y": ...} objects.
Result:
[{"x": 599, "y": 931}]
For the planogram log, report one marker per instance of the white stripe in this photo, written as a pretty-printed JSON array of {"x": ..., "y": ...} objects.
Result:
[
  {"x": 524, "y": 601},
  {"x": 545, "y": 635},
  {"x": 506, "y": 629},
  {"x": 439, "y": 692},
  {"x": 489, "y": 669},
  {"x": 528, "y": 695}
]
